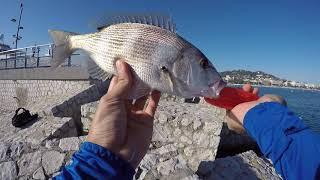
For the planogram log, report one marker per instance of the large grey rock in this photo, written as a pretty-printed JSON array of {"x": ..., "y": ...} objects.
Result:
[
  {"x": 165, "y": 149},
  {"x": 29, "y": 162},
  {"x": 196, "y": 124},
  {"x": 174, "y": 168},
  {"x": 243, "y": 166},
  {"x": 17, "y": 148},
  {"x": 162, "y": 118},
  {"x": 3, "y": 151},
  {"x": 147, "y": 163},
  {"x": 69, "y": 144},
  {"x": 8, "y": 170},
  {"x": 36, "y": 132},
  {"x": 167, "y": 167},
  {"x": 23, "y": 178},
  {"x": 191, "y": 177},
  {"x": 161, "y": 133},
  {"x": 52, "y": 161},
  {"x": 51, "y": 143},
  {"x": 184, "y": 136},
  {"x": 186, "y": 121},
  {"x": 39, "y": 174}
]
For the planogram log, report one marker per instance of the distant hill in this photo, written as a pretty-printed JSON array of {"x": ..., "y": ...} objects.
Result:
[
  {"x": 261, "y": 78},
  {"x": 244, "y": 74}
]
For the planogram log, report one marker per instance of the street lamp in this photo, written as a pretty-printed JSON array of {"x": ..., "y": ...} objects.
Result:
[{"x": 16, "y": 36}]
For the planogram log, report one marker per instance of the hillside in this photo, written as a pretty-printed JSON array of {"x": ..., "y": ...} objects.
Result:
[
  {"x": 248, "y": 74},
  {"x": 244, "y": 76}
]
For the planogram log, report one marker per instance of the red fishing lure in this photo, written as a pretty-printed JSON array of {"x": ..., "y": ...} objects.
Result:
[{"x": 230, "y": 97}]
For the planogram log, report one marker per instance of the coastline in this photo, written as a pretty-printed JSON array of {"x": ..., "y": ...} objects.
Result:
[{"x": 283, "y": 87}]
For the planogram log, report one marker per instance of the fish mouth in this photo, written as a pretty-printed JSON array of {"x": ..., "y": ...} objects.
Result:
[{"x": 214, "y": 89}]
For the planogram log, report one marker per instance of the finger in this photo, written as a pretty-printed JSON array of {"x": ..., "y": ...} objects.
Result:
[
  {"x": 138, "y": 118},
  {"x": 247, "y": 87},
  {"x": 113, "y": 82},
  {"x": 153, "y": 103},
  {"x": 140, "y": 103},
  {"x": 124, "y": 81},
  {"x": 255, "y": 91},
  {"x": 273, "y": 98}
]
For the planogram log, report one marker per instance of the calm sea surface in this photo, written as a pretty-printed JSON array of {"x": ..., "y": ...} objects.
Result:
[{"x": 305, "y": 103}]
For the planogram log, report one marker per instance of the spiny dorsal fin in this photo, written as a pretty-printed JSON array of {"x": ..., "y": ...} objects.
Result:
[{"x": 162, "y": 21}]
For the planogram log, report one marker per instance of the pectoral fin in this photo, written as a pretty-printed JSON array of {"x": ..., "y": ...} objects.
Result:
[{"x": 138, "y": 90}]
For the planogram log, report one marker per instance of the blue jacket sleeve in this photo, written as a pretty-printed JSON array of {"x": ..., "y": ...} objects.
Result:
[
  {"x": 282, "y": 137},
  {"x": 95, "y": 162}
]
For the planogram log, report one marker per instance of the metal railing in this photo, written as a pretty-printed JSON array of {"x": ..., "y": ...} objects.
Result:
[{"x": 29, "y": 57}]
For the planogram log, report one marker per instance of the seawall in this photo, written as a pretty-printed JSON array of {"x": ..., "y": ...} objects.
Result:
[{"x": 26, "y": 87}]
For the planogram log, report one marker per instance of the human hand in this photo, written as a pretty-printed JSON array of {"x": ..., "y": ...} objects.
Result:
[
  {"x": 121, "y": 126},
  {"x": 235, "y": 117}
]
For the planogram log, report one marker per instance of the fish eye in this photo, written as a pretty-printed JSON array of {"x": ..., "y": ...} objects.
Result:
[{"x": 204, "y": 63}]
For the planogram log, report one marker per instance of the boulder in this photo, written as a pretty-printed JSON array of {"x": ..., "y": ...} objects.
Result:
[
  {"x": 39, "y": 174},
  {"x": 8, "y": 170},
  {"x": 29, "y": 162},
  {"x": 69, "y": 144},
  {"x": 242, "y": 166},
  {"x": 52, "y": 161}
]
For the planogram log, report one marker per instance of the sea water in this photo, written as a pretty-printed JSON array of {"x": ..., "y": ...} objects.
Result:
[{"x": 304, "y": 103}]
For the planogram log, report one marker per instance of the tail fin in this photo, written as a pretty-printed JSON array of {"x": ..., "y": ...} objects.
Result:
[{"x": 62, "y": 49}]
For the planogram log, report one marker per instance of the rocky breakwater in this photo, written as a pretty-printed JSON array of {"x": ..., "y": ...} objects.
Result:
[
  {"x": 188, "y": 141},
  {"x": 37, "y": 150}
]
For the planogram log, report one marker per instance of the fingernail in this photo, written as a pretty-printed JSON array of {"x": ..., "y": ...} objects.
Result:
[{"x": 120, "y": 66}]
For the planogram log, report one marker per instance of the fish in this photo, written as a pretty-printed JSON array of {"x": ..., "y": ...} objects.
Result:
[{"x": 160, "y": 58}]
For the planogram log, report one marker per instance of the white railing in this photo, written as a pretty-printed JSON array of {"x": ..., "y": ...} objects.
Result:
[{"x": 29, "y": 57}]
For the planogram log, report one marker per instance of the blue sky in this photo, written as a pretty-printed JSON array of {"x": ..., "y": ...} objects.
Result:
[{"x": 280, "y": 37}]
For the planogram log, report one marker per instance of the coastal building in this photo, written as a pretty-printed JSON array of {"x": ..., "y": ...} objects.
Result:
[
  {"x": 276, "y": 82},
  {"x": 227, "y": 78},
  {"x": 259, "y": 75},
  {"x": 266, "y": 82},
  {"x": 311, "y": 86},
  {"x": 293, "y": 83}
]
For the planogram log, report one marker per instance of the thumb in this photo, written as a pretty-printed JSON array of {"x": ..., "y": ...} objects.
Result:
[
  {"x": 124, "y": 80},
  {"x": 273, "y": 98}
]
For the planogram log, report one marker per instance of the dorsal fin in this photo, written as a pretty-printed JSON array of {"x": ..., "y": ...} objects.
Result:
[{"x": 161, "y": 21}]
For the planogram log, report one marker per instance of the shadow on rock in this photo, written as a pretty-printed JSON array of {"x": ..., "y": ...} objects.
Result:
[
  {"x": 246, "y": 166},
  {"x": 72, "y": 106},
  {"x": 232, "y": 143},
  {"x": 66, "y": 130},
  {"x": 226, "y": 168}
]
